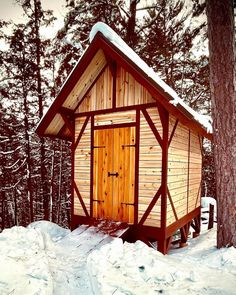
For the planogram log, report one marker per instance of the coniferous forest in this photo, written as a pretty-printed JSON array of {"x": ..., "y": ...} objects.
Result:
[{"x": 35, "y": 172}]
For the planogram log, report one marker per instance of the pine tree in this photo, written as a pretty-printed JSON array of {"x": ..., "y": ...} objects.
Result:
[{"x": 223, "y": 94}]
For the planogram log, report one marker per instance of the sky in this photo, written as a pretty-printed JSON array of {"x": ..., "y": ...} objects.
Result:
[{"x": 10, "y": 10}]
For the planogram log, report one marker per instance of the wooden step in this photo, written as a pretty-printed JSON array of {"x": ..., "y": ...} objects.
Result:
[{"x": 111, "y": 228}]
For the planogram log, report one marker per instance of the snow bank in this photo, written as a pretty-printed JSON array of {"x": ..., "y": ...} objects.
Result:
[
  {"x": 119, "y": 268},
  {"x": 46, "y": 259},
  {"x": 24, "y": 264},
  {"x": 54, "y": 231},
  {"x": 123, "y": 47},
  {"x": 206, "y": 201}
]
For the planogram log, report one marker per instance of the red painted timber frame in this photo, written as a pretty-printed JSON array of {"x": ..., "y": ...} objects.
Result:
[
  {"x": 114, "y": 57},
  {"x": 163, "y": 234},
  {"x": 136, "y": 124}
]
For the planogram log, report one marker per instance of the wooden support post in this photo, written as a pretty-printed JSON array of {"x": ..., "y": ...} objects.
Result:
[
  {"x": 211, "y": 216},
  {"x": 164, "y": 245},
  {"x": 165, "y": 119},
  {"x": 136, "y": 182},
  {"x": 196, "y": 225},
  {"x": 72, "y": 225},
  {"x": 184, "y": 235},
  {"x": 91, "y": 165}
]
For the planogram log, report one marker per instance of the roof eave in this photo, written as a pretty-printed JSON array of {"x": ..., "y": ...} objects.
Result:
[
  {"x": 67, "y": 86},
  {"x": 157, "y": 88},
  {"x": 109, "y": 48}
]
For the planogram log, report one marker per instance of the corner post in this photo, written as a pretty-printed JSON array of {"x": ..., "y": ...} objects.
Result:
[
  {"x": 136, "y": 185},
  {"x": 72, "y": 225}
]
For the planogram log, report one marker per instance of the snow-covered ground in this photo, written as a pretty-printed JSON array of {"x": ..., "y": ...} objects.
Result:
[{"x": 46, "y": 259}]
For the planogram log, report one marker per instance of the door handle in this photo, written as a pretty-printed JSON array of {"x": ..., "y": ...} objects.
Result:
[{"x": 116, "y": 174}]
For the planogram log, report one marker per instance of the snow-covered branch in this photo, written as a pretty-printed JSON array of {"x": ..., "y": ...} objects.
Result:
[{"x": 10, "y": 152}]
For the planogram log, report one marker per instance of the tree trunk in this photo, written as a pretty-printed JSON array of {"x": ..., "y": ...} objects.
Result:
[
  {"x": 60, "y": 185},
  {"x": 131, "y": 37},
  {"x": 28, "y": 156},
  {"x": 15, "y": 208},
  {"x": 52, "y": 190},
  {"x": 222, "y": 83},
  {"x": 3, "y": 197},
  {"x": 44, "y": 186}
]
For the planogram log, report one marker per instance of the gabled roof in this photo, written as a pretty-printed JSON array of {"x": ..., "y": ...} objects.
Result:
[{"x": 106, "y": 44}]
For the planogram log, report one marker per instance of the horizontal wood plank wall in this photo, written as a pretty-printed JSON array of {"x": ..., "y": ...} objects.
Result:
[
  {"x": 150, "y": 166},
  {"x": 195, "y": 172},
  {"x": 129, "y": 91},
  {"x": 177, "y": 171},
  {"x": 100, "y": 96},
  {"x": 82, "y": 166},
  {"x": 184, "y": 172},
  {"x": 115, "y": 118}
]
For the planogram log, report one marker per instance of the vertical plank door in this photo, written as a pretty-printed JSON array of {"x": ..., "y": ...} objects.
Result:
[
  {"x": 102, "y": 187},
  {"x": 114, "y": 174},
  {"x": 124, "y": 164}
]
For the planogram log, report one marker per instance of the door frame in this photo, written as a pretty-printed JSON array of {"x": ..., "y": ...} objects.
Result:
[{"x": 135, "y": 124}]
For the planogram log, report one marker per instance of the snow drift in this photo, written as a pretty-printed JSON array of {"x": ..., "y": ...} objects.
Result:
[{"x": 46, "y": 259}]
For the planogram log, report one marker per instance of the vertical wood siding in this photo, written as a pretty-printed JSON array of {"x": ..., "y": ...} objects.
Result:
[
  {"x": 88, "y": 77},
  {"x": 129, "y": 91},
  {"x": 114, "y": 195},
  {"x": 100, "y": 96},
  {"x": 82, "y": 166}
]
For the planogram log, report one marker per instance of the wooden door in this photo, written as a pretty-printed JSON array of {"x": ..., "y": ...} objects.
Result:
[
  {"x": 102, "y": 185},
  {"x": 114, "y": 174}
]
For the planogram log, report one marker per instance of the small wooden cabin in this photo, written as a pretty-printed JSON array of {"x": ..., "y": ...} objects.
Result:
[{"x": 136, "y": 156}]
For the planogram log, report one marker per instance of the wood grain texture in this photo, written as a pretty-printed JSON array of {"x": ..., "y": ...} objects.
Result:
[
  {"x": 82, "y": 166},
  {"x": 115, "y": 118},
  {"x": 100, "y": 96},
  {"x": 150, "y": 169},
  {"x": 184, "y": 171},
  {"x": 90, "y": 74},
  {"x": 129, "y": 91},
  {"x": 114, "y": 153}
]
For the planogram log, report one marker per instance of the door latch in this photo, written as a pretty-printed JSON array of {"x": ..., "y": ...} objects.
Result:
[{"x": 116, "y": 174}]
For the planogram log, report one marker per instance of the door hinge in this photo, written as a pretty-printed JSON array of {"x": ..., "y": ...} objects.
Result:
[
  {"x": 99, "y": 201},
  {"x": 128, "y": 145},
  {"x": 99, "y": 147},
  {"x": 128, "y": 204}
]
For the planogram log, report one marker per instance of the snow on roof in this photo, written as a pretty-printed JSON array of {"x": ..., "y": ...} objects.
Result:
[{"x": 108, "y": 33}]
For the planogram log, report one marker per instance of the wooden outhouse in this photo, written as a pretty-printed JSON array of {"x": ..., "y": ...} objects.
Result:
[{"x": 136, "y": 147}]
